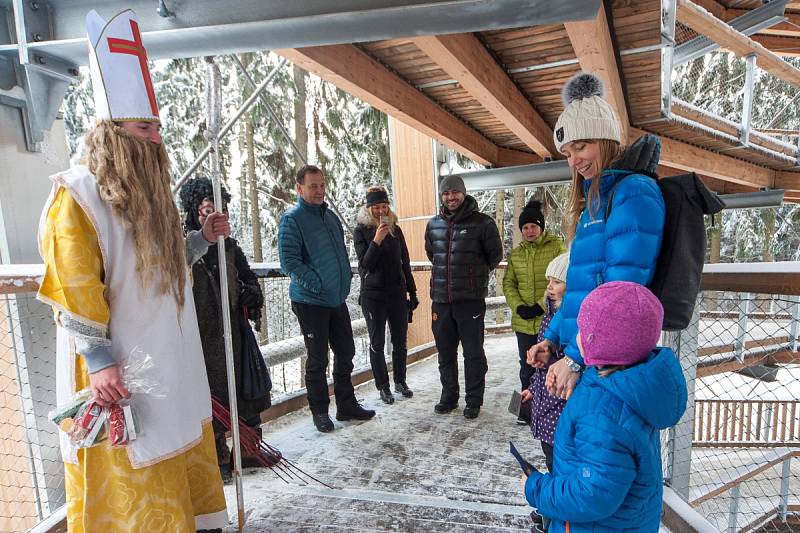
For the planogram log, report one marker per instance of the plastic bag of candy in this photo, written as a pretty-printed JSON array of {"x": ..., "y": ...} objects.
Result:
[{"x": 87, "y": 423}]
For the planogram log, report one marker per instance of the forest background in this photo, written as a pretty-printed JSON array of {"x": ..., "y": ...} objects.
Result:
[{"x": 349, "y": 140}]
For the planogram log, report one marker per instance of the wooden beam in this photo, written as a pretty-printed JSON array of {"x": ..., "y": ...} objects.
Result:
[
  {"x": 467, "y": 60},
  {"x": 690, "y": 158},
  {"x": 352, "y": 70},
  {"x": 714, "y": 7},
  {"x": 511, "y": 158},
  {"x": 790, "y": 181},
  {"x": 718, "y": 31},
  {"x": 594, "y": 49},
  {"x": 725, "y": 187},
  {"x": 782, "y": 46}
]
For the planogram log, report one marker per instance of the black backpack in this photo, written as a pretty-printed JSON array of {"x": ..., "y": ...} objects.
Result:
[{"x": 679, "y": 267}]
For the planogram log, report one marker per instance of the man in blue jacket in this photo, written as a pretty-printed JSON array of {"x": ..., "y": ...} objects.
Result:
[{"x": 312, "y": 253}]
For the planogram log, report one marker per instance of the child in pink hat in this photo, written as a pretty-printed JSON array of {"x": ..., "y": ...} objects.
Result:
[{"x": 607, "y": 454}]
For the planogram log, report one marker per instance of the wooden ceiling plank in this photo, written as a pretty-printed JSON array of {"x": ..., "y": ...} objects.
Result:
[
  {"x": 352, "y": 70},
  {"x": 594, "y": 48},
  {"x": 465, "y": 58}
]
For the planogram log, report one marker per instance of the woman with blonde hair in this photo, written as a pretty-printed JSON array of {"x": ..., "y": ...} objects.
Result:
[
  {"x": 614, "y": 219},
  {"x": 386, "y": 279}
]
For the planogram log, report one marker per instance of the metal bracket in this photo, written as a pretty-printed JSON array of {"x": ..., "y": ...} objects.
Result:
[
  {"x": 669, "y": 11},
  {"x": 43, "y": 78},
  {"x": 747, "y": 104}
]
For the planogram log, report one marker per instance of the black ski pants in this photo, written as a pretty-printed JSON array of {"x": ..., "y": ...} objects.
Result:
[
  {"x": 377, "y": 313},
  {"x": 323, "y": 326},
  {"x": 451, "y": 324}
]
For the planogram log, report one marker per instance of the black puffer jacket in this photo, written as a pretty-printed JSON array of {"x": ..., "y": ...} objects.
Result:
[
  {"x": 385, "y": 269},
  {"x": 464, "y": 248}
]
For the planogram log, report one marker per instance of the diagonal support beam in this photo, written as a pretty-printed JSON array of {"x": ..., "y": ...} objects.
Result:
[
  {"x": 466, "y": 59},
  {"x": 689, "y": 158},
  {"x": 721, "y": 33},
  {"x": 594, "y": 48},
  {"x": 352, "y": 70}
]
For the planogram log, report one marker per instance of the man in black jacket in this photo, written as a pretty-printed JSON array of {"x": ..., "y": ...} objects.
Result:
[{"x": 464, "y": 246}]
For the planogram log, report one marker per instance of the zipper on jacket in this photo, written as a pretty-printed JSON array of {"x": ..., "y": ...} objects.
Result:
[
  {"x": 449, "y": 254},
  {"x": 335, "y": 248}
]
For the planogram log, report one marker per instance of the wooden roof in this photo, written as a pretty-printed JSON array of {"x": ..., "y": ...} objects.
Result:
[{"x": 496, "y": 95}]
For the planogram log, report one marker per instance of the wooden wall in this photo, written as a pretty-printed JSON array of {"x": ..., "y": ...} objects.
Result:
[{"x": 414, "y": 202}]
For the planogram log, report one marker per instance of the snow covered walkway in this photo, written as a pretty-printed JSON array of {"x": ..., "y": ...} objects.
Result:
[{"x": 408, "y": 469}]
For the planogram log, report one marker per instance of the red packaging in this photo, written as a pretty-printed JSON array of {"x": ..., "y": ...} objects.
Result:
[{"x": 117, "y": 433}]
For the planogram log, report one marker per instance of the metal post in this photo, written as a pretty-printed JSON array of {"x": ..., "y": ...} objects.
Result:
[
  {"x": 228, "y": 125},
  {"x": 747, "y": 105},
  {"x": 679, "y": 437},
  {"x": 214, "y": 107},
  {"x": 786, "y": 472},
  {"x": 741, "y": 332},
  {"x": 733, "y": 511},
  {"x": 669, "y": 10},
  {"x": 793, "y": 340},
  {"x": 766, "y": 422}
]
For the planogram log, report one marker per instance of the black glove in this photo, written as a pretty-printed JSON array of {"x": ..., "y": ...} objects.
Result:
[
  {"x": 255, "y": 315},
  {"x": 413, "y": 302},
  {"x": 250, "y": 296},
  {"x": 529, "y": 312}
]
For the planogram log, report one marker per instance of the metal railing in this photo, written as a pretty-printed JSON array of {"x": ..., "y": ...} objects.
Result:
[
  {"x": 721, "y": 442},
  {"x": 746, "y": 423},
  {"x": 730, "y": 455}
]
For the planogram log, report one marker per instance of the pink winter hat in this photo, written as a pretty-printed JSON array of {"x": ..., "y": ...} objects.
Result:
[{"x": 619, "y": 323}]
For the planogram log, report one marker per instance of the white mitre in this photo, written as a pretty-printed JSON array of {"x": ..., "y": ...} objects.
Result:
[{"x": 123, "y": 89}]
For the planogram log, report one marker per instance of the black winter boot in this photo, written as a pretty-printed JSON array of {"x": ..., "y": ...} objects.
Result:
[
  {"x": 354, "y": 412},
  {"x": 471, "y": 412},
  {"x": 403, "y": 389},
  {"x": 323, "y": 422},
  {"x": 386, "y": 395},
  {"x": 442, "y": 408}
]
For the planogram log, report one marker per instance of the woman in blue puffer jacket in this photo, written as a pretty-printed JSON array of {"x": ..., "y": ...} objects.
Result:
[
  {"x": 622, "y": 246},
  {"x": 607, "y": 474}
]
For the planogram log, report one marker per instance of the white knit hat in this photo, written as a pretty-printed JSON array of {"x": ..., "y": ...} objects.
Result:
[
  {"x": 558, "y": 267},
  {"x": 586, "y": 114}
]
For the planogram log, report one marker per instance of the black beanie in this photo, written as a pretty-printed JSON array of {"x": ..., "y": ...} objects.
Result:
[{"x": 532, "y": 213}]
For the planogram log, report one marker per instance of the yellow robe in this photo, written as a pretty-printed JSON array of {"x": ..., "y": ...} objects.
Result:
[{"x": 104, "y": 493}]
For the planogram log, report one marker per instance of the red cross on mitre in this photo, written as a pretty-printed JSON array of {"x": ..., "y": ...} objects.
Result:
[{"x": 135, "y": 48}]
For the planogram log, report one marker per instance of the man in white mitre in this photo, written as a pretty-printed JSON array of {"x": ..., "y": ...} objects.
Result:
[{"x": 116, "y": 275}]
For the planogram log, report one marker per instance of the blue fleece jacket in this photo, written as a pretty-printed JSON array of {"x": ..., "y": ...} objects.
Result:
[
  {"x": 623, "y": 248},
  {"x": 607, "y": 453},
  {"x": 313, "y": 255}
]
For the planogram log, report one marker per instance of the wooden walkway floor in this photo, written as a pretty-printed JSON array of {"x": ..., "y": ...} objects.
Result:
[{"x": 408, "y": 469}]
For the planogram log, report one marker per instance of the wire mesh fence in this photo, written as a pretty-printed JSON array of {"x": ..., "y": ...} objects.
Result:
[
  {"x": 31, "y": 478},
  {"x": 734, "y": 455},
  {"x": 714, "y": 83}
]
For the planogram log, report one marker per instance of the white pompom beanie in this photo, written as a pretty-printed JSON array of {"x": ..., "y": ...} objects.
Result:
[
  {"x": 586, "y": 114},
  {"x": 557, "y": 268}
]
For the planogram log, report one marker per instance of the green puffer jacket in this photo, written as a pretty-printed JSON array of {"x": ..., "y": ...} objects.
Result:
[{"x": 525, "y": 282}]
